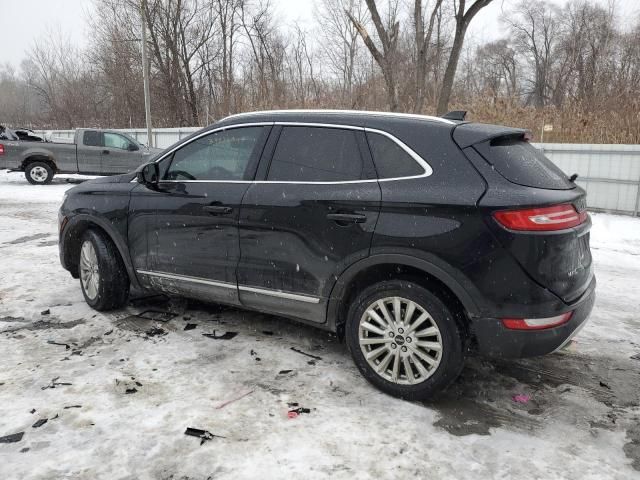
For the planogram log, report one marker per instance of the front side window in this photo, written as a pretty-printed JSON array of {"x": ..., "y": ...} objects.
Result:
[
  {"x": 391, "y": 160},
  {"x": 316, "y": 154},
  {"x": 223, "y": 155},
  {"x": 113, "y": 140}
]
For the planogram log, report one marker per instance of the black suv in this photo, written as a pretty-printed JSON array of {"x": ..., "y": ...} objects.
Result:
[{"x": 418, "y": 239}]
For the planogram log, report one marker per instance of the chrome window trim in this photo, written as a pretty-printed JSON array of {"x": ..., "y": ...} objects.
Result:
[
  {"x": 262, "y": 291},
  {"x": 417, "y": 158}
]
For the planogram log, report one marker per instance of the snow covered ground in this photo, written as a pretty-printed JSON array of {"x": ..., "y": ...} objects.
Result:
[{"x": 119, "y": 391}]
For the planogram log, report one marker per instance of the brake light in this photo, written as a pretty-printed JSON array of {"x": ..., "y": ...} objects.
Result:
[
  {"x": 536, "y": 323},
  {"x": 557, "y": 217},
  {"x": 1, "y": 149}
]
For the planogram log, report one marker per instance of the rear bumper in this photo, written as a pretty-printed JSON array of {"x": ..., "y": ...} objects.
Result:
[{"x": 495, "y": 340}]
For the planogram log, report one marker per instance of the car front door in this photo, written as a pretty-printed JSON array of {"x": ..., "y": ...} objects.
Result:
[
  {"x": 191, "y": 219},
  {"x": 119, "y": 155},
  {"x": 311, "y": 217}
]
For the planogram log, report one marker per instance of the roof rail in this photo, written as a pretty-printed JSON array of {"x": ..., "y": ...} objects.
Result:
[{"x": 349, "y": 112}]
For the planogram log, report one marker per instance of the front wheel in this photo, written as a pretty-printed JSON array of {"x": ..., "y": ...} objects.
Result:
[
  {"x": 38, "y": 173},
  {"x": 404, "y": 339},
  {"x": 103, "y": 276}
]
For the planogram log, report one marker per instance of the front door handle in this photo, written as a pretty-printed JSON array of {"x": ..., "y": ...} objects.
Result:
[
  {"x": 217, "y": 210},
  {"x": 347, "y": 217}
]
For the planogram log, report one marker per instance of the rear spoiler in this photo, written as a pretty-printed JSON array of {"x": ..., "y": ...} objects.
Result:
[{"x": 467, "y": 134}]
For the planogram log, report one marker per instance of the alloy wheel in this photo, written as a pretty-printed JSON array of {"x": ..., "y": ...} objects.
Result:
[
  {"x": 89, "y": 272},
  {"x": 400, "y": 340},
  {"x": 38, "y": 174}
]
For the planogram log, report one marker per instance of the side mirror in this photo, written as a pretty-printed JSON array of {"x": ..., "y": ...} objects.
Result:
[
  {"x": 149, "y": 175},
  {"x": 133, "y": 147}
]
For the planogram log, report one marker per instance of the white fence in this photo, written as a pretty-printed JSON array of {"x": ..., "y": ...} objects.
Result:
[{"x": 609, "y": 173}]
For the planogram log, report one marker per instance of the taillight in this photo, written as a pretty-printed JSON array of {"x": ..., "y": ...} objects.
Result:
[
  {"x": 536, "y": 323},
  {"x": 1, "y": 149},
  {"x": 557, "y": 217}
]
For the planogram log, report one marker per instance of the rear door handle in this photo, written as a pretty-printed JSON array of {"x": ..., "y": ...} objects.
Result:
[
  {"x": 347, "y": 217},
  {"x": 217, "y": 210},
  {"x": 105, "y": 151}
]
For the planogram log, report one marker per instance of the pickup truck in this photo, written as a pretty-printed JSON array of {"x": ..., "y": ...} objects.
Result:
[{"x": 93, "y": 152}]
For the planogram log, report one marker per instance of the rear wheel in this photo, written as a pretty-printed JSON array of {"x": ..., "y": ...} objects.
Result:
[
  {"x": 38, "y": 173},
  {"x": 404, "y": 339},
  {"x": 103, "y": 277}
]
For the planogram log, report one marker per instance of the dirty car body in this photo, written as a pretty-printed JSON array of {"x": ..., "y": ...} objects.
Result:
[{"x": 361, "y": 223}]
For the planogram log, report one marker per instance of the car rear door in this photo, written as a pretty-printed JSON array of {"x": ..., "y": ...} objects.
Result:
[
  {"x": 89, "y": 151},
  {"x": 311, "y": 217},
  {"x": 191, "y": 220}
]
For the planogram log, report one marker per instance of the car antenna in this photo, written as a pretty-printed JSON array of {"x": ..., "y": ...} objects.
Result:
[
  {"x": 573, "y": 178},
  {"x": 455, "y": 115}
]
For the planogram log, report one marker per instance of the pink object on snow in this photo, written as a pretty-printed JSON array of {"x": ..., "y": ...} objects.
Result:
[{"x": 521, "y": 398}]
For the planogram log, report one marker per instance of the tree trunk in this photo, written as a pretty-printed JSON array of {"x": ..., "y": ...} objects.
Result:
[{"x": 450, "y": 72}]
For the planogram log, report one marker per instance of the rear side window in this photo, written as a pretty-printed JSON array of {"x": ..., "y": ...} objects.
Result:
[
  {"x": 520, "y": 162},
  {"x": 92, "y": 138},
  {"x": 316, "y": 154},
  {"x": 390, "y": 159}
]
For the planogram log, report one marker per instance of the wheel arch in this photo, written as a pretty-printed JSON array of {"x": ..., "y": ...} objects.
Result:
[
  {"x": 70, "y": 243},
  {"x": 380, "y": 267},
  {"x": 39, "y": 157}
]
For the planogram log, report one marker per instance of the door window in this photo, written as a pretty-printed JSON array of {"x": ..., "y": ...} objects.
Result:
[
  {"x": 91, "y": 138},
  {"x": 223, "y": 155},
  {"x": 390, "y": 159},
  {"x": 113, "y": 140},
  {"x": 316, "y": 154}
]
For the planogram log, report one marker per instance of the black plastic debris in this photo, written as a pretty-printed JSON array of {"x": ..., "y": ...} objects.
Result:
[
  {"x": 72, "y": 406},
  {"x": 224, "y": 336},
  {"x": 190, "y": 326},
  {"x": 13, "y": 438},
  {"x": 45, "y": 312},
  {"x": 315, "y": 357},
  {"x": 39, "y": 423},
  {"x": 284, "y": 372},
  {"x": 108, "y": 333},
  {"x": 131, "y": 390},
  {"x": 155, "y": 332},
  {"x": 300, "y": 410},
  {"x": 203, "y": 435},
  {"x": 602, "y": 384},
  {"x": 32, "y": 411},
  {"x": 255, "y": 355},
  {"x": 54, "y": 383},
  {"x": 66, "y": 346},
  {"x": 157, "y": 315}
]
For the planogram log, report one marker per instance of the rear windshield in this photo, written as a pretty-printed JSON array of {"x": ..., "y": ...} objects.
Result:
[{"x": 520, "y": 162}]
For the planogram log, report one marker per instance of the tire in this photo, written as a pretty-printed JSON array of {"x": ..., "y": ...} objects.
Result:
[
  {"x": 38, "y": 173},
  {"x": 439, "y": 330},
  {"x": 103, "y": 276}
]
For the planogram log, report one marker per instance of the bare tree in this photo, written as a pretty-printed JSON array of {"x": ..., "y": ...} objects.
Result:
[
  {"x": 388, "y": 38},
  {"x": 422, "y": 44},
  {"x": 463, "y": 17}
]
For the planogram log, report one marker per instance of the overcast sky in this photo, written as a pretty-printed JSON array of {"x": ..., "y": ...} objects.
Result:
[{"x": 25, "y": 20}]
